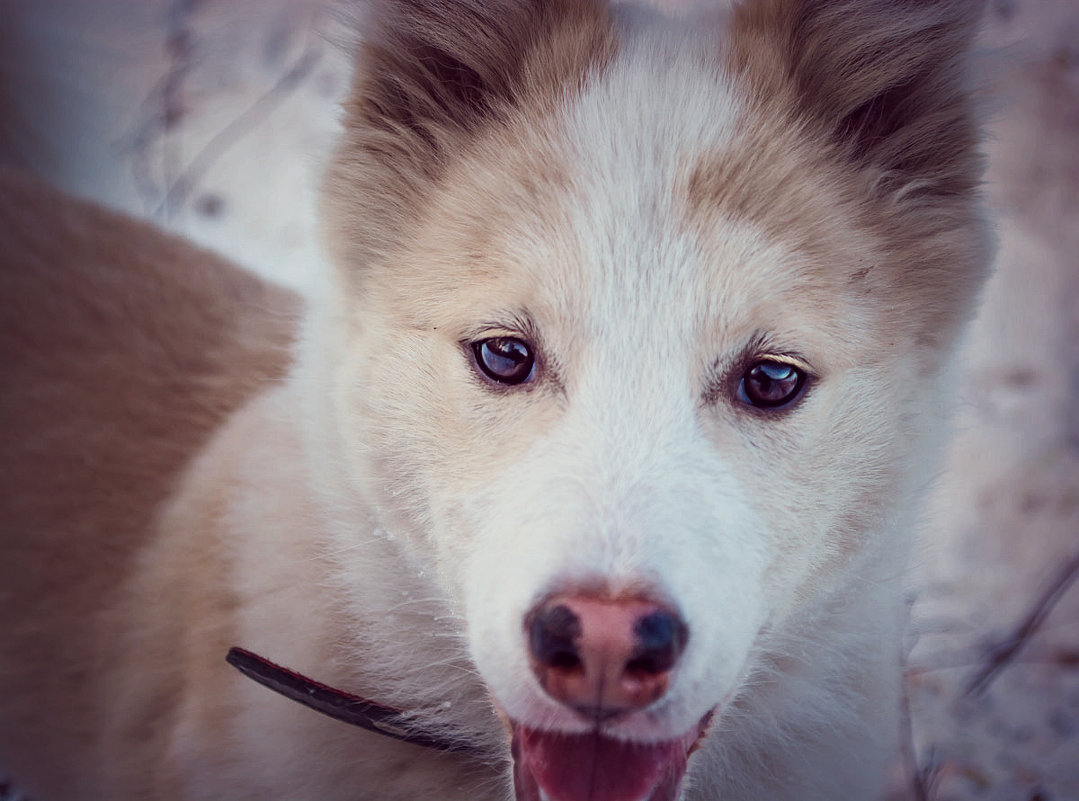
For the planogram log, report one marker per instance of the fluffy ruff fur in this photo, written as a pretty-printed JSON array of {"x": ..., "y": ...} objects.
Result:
[{"x": 651, "y": 207}]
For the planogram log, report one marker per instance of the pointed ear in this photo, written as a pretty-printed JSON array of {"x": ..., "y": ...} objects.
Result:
[
  {"x": 430, "y": 77},
  {"x": 432, "y": 73},
  {"x": 885, "y": 81},
  {"x": 434, "y": 70}
]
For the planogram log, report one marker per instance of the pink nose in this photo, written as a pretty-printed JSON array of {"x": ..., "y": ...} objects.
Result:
[{"x": 604, "y": 657}]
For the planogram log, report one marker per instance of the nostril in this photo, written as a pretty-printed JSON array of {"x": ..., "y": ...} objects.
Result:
[
  {"x": 661, "y": 639},
  {"x": 553, "y": 634}
]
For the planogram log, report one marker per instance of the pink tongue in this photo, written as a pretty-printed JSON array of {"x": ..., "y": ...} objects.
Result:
[{"x": 588, "y": 767}]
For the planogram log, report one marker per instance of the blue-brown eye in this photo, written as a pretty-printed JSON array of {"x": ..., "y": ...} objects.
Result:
[
  {"x": 770, "y": 384},
  {"x": 506, "y": 360}
]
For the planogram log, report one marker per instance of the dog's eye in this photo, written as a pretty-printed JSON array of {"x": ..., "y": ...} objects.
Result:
[
  {"x": 505, "y": 359},
  {"x": 770, "y": 384}
]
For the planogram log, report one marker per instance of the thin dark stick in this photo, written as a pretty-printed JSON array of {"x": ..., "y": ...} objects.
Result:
[
  {"x": 180, "y": 46},
  {"x": 918, "y": 788},
  {"x": 1001, "y": 654},
  {"x": 908, "y": 749},
  {"x": 200, "y": 164}
]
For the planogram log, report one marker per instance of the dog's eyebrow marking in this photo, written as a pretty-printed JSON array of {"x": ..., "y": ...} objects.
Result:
[
  {"x": 761, "y": 345},
  {"x": 515, "y": 321}
]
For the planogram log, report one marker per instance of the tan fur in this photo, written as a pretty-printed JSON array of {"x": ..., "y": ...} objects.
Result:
[
  {"x": 123, "y": 350},
  {"x": 433, "y": 78},
  {"x": 875, "y": 98}
]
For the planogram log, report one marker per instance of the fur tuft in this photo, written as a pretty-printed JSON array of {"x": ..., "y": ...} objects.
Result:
[
  {"x": 885, "y": 82},
  {"x": 431, "y": 77}
]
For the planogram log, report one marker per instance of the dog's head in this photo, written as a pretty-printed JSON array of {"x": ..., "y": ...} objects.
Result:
[{"x": 640, "y": 321}]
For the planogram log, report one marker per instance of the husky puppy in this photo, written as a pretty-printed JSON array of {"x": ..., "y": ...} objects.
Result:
[{"x": 593, "y": 463}]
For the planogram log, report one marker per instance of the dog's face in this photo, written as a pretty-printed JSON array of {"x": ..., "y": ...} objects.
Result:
[{"x": 642, "y": 318}]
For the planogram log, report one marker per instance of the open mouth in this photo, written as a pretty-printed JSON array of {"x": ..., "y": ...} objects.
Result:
[{"x": 554, "y": 766}]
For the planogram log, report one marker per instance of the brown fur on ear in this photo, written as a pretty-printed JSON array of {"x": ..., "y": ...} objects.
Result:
[
  {"x": 883, "y": 80},
  {"x": 431, "y": 75}
]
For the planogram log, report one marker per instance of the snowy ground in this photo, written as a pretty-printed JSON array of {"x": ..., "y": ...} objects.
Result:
[
  {"x": 212, "y": 117},
  {"x": 1005, "y": 523}
]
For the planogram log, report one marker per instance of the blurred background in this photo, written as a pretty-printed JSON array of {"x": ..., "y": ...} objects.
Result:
[{"x": 213, "y": 117}]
